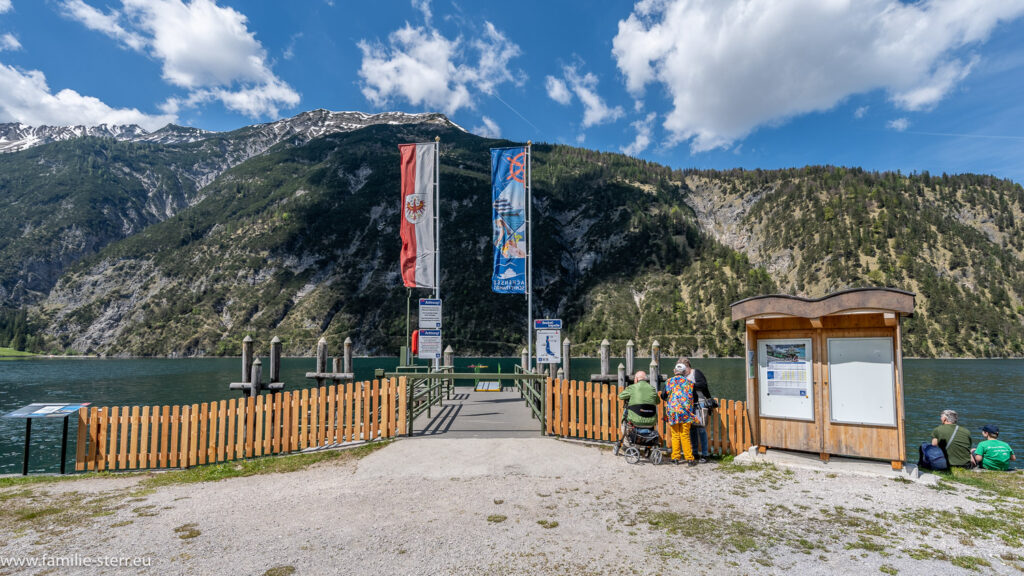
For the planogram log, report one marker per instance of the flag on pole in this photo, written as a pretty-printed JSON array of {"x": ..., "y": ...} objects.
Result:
[
  {"x": 508, "y": 196},
  {"x": 417, "y": 229}
]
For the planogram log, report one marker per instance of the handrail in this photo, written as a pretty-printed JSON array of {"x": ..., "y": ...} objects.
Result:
[
  {"x": 531, "y": 389},
  {"x": 426, "y": 390}
]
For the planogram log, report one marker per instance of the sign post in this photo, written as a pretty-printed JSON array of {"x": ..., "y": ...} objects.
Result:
[{"x": 46, "y": 410}]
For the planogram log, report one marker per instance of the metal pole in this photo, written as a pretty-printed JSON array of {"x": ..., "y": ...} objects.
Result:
[
  {"x": 529, "y": 256},
  {"x": 408, "y": 334},
  {"x": 28, "y": 438},
  {"x": 437, "y": 226},
  {"x": 64, "y": 445}
]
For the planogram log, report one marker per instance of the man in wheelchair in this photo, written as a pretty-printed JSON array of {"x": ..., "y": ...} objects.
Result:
[{"x": 641, "y": 417}]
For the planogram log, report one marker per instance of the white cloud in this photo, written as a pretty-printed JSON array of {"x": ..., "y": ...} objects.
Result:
[
  {"x": 25, "y": 97},
  {"x": 643, "y": 135},
  {"x": 489, "y": 129},
  {"x": 9, "y": 42},
  {"x": 425, "y": 68},
  {"x": 424, "y": 7},
  {"x": 100, "y": 22},
  {"x": 289, "y": 51},
  {"x": 5, "y": 5},
  {"x": 730, "y": 67},
  {"x": 557, "y": 90},
  {"x": 860, "y": 112},
  {"x": 584, "y": 87},
  {"x": 899, "y": 124},
  {"x": 203, "y": 48}
]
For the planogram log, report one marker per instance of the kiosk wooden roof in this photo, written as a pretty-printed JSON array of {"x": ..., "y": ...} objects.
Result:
[{"x": 842, "y": 392}]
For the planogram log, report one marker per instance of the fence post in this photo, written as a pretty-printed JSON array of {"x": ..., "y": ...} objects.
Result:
[
  {"x": 246, "y": 359},
  {"x": 654, "y": 375},
  {"x": 347, "y": 365},
  {"x": 275, "y": 359},
  {"x": 321, "y": 355},
  {"x": 605, "y": 353},
  {"x": 257, "y": 377},
  {"x": 525, "y": 359},
  {"x": 630, "y": 357},
  {"x": 622, "y": 375},
  {"x": 656, "y": 362},
  {"x": 449, "y": 360}
]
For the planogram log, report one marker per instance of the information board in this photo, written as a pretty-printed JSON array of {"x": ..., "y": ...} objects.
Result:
[
  {"x": 547, "y": 324},
  {"x": 430, "y": 345},
  {"x": 46, "y": 410},
  {"x": 862, "y": 383},
  {"x": 548, "y": 349},
  {"x": 430, "y": 313},
  {"x": 786, "y": 378}
]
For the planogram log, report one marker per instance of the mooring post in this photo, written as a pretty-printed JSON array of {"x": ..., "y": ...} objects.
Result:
[
  {"x": 622, "y": 375},
  {"x": 605, "y": 355},
  {"x": 656, "y": 360},
  {"x": 335, "y": 364},
  {"x": 566, "y": 349},
  {"x": 526, "y": 361},
  {"x": 654, "y": 375},
  {"x": 630, "y": 357},
  {"x": 257, "y": 378},
  {"x": 347, "y": 366},
  {"x": 275, "y": 359},
  {"x": 246, "y": 359},
  {"x": 321, "y": 355}
]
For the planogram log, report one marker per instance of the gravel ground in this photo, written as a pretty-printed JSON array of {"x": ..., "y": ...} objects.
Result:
[{"x": 523, "y": 506}]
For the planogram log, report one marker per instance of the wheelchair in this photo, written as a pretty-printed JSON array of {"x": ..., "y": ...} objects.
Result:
[{"x": 638, "y": 442}]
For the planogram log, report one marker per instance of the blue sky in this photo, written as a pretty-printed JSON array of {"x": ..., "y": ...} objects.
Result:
[{"x": 932, "y": 85}]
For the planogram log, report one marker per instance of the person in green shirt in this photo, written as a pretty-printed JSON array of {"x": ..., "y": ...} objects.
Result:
[
  {"x": 954, "y": 439},
  {"x": 992, "y": 453},
  {"x": 640, "y": 394}
]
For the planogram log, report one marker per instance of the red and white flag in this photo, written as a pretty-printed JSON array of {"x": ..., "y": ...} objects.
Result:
[{"x": 417, "y": 230}]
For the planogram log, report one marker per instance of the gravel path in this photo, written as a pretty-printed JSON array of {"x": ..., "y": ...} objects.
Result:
[{"x": 476, "y": 506}]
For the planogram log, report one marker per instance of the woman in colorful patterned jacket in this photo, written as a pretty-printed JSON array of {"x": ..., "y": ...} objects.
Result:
[{"x": 679, "y": 412}]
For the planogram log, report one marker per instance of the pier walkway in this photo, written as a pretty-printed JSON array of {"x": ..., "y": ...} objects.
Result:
[{"x": 472, "y": 414}]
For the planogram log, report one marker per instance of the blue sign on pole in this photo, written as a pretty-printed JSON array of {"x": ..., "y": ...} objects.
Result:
[{"x": 547, "y": 324}]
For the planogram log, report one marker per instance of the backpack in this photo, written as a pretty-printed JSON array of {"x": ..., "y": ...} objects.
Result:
[{"x": 932, "y": 458}]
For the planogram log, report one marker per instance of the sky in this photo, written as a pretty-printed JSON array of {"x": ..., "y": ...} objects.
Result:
[{"x": 934, "y": 85}]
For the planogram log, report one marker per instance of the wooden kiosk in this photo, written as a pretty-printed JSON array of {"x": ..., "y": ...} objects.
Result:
[{"x": 826, "y": 375}]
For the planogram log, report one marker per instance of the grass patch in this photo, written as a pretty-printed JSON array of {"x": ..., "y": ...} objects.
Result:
[
  {"x": 12, "y": 481},
  {"x": 265, "y": 465},
  {"x": 280, "y": 571},
  {"x": 736, "y": 536},
  {"x": 1004, "y": 522},
  {"x": 969, "y": 562},
  {"x": 1006, "y": 484},
  {"x": 886, "y": 569},
  {"x": 188, "y": 531},
  {"x": 12, "y": 353},
  {"x": 864, "y": 543},
  {"x": 496, "y": 518},
  {"x": 548, "y": 523}
]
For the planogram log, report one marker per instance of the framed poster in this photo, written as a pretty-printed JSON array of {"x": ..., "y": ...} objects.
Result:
[
  {"x": 862, "y": 381},
  {"x": 786, "y": 378}
]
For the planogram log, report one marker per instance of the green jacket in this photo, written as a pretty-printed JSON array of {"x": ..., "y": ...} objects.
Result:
[
  {"x": 959, "y": 452},
  {"x": 640, "y": 393}
]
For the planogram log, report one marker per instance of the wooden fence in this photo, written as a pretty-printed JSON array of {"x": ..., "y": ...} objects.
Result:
[
  {"x": 593, "y": 411},
  {"x": 131, "y": 437}
]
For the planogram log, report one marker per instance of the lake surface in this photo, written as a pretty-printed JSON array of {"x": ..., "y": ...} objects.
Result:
[{"x": 981, "y": 391}]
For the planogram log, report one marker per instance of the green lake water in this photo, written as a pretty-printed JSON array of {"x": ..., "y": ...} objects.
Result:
[{"x": 981, "y": 391}]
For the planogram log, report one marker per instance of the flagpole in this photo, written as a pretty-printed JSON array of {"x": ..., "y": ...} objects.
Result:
[
  {"x": 437, "y": 227},
  {"x": 529, "y": 259}
]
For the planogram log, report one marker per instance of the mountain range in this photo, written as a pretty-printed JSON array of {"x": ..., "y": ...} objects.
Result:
[{"x": 180, "y": 242}]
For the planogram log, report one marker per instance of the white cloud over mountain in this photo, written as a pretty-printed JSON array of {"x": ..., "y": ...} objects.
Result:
[
  {"x": 26, "y": 97},
  {"x": 583, "y": 87},
  {"x": 203, "y": 48},
  {"x": 732, "y": 66},
  {"x": 423, "y": 67}
]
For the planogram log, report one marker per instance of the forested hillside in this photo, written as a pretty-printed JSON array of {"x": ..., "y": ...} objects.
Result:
[{"x": 302, "y": 241}]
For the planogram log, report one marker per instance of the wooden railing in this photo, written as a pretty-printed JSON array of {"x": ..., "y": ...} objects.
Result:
[
  {"x": 132, "y": 437},
  {"x": 593, "y": 411}
]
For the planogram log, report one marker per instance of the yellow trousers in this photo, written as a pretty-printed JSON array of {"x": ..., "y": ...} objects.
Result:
[{"x": 681, "y": 438}]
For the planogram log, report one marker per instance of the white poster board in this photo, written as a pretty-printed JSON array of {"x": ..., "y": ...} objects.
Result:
[
  {"x": 430, "y": 344},
  {"x": 785, "y": 378},
  {"x": 862, "y": 383},
  {"x": 548, "y": 349},
  {"x": 430, "y": 313}
]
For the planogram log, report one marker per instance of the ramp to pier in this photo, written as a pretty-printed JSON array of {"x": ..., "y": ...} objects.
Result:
[{"x": 472, "y": 414}]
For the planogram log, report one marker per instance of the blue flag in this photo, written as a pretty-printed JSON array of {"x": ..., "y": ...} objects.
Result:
[{"x": 508, "y": 196}]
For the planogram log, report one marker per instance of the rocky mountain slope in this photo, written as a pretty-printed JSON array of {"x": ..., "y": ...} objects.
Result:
[{"x": 291, "y": 229}]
